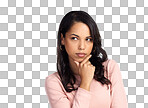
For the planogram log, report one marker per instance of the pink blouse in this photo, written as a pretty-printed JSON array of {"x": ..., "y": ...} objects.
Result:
[{"x": 98, "y": 96}]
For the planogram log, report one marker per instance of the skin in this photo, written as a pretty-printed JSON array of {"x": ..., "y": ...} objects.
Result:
[{"x": 81, "y": 44}]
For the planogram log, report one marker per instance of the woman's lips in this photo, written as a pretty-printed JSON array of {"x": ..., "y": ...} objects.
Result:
[{"x": 81, "y": 54}]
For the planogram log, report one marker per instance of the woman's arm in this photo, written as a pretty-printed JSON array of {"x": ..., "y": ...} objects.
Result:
[
  {"x": 58, "y": 99},
  {"x": 118, "y": 95}
]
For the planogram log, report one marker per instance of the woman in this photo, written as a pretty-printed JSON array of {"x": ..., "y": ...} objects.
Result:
[{"x": 85, "y": 77}]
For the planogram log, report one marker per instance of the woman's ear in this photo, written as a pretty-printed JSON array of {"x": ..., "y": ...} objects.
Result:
[{"x": 62, "y": 39}]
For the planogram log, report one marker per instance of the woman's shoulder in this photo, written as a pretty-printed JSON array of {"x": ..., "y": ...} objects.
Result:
[
  {"x": 109, "y": 65},
  {"x": 53, "y": 83},
  {"x": 55, "y": 74},
  {"x": 53, "y": 78}
]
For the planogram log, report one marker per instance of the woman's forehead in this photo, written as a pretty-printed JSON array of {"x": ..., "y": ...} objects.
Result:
[
  {"x": 73, "y": 34},
  {"x": 79, "y": 29}
]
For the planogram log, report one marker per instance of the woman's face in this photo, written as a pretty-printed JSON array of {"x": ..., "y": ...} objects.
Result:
[{"x": 77, "y": 40}]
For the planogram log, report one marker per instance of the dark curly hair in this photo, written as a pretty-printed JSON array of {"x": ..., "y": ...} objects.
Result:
[{"x": 98, "y": 54}]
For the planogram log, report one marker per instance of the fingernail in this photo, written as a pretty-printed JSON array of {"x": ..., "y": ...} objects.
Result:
[{"x": 75, "y": 61}]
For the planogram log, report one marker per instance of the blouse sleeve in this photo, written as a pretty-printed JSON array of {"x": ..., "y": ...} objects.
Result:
[
  {"x": 118, "y": 95},
  {"x": 58, "y": 99}
]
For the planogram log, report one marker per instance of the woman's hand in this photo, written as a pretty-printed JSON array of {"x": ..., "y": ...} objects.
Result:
[{"x": 86, "y": 72}]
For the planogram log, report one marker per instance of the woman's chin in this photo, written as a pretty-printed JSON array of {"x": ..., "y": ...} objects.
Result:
[{"x": 76, "y": 59}]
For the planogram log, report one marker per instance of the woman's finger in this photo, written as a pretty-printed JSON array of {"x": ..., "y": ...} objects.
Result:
[
  {"x": 88, "y": 62},
  {"x": 85, "y": 60}
]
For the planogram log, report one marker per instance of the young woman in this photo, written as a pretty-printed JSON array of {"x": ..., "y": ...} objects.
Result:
[{"x": 85, "y": 77}]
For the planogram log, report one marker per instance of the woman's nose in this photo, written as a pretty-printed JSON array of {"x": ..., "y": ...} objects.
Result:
[{"x": 82, "y": 45}]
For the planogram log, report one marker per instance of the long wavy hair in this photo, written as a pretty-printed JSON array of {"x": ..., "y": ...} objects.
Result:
[{"x": 98, "y": 54}]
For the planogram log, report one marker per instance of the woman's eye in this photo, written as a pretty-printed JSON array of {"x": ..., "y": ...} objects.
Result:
[
  {"x": 90, "y": 39},
  {"x": 73, "y": 38}
]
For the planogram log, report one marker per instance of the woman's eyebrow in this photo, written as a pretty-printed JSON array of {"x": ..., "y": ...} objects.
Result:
[{"x": 77, "y": 35}]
